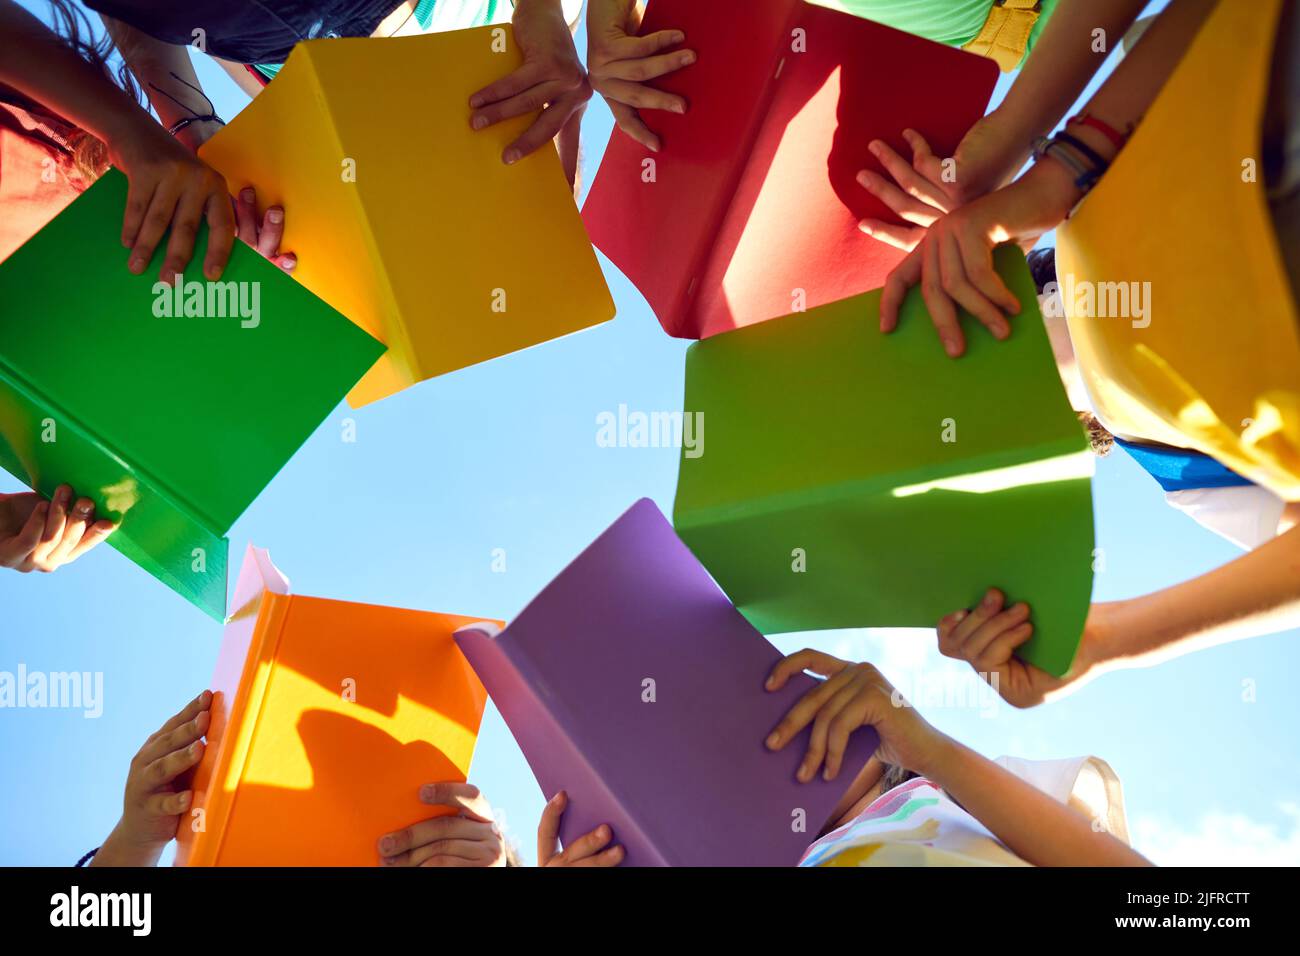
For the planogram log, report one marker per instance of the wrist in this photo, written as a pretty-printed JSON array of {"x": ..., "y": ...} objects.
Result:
[
  {"x": 940, "y": 761},
  {"x": 121, "y": 850}
]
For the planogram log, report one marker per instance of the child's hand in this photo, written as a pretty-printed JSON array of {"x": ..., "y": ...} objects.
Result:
[
  {"x": 930, "y": 187},
  {"x": 621, "y": 62},
  {"x": 590, "y": 849},
  {"x": 470, "y": 837},
  {"x": 552, "y": 79},
  {"x": 853, "y": 696},
  {"x": 987, "y": 636},
  {"x": 264, "y": 237},
  {"x": 171, "y": 187},
  {"x": 156, "y": 789},
  {"x": 40, "y": 535},
  {"x": 953, "y": 263}
]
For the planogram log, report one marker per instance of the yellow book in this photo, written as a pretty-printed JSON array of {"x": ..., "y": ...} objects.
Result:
[
  {"x": 1214, "y": 364},
  {"x": 404, "y": 218}
]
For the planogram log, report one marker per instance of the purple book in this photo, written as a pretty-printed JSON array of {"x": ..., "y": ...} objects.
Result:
[{"x": 633, "y": 684}]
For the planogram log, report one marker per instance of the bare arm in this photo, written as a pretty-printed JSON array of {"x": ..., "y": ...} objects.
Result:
[
  {"x": 1037, "y": 828},
  {"x": 1258, "y": 593},
  {"x": 164, "y": 70}
]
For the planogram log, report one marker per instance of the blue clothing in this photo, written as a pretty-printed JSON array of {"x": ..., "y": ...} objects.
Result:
[{"x": 1178, "y": 469}]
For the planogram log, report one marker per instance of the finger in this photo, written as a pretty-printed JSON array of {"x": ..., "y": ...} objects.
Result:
[
  {"x": 433, "y": 830},
  {"x": 188, "y": 712},
  {"x": 221, "y": 234},
  {"x": 463, "y": 797},
  {"x": 818, "y": 740},
  {"x": 531, "y": 100},
  {"x": 636, "y": 48},
  {"x": 184, "y": 232},
  {"x": 953, "y": 272},
  {"x": 640, "y": 69},
  {"x": 167, "y": 768},
  {"x": 73, "y": 529},
  {"x": 611, "y": 857},
  {"x": 989, "y": 605},
  {"x": 167, "y": 804},
  {"x": 942, "y": 311},
  {"x": 587, "y": 845},
  {"x": 55, "y": 520},
  {"x": 903, "y": 276},
  {"x": 138, "y": 198},
  {"x": 478, "y": 852},
  {"x": 630, "y": 122},
  {"x": 154, "y": 223},
  {"x": 906, "y": 238},
  {"x": 800, "y": 661},
  {"x": 910, "y": 181},
  {"x": 642, "y": 97},
  {"x": 994, "y": 627},
  {"x": 548, "y": 828},
  {"x": 268, "y": 240},
  {"x": 805, "y": 710},
  {"x": 998, "y": 653},
  {"x": 512, "y": 84},
  {"x": 176, "y": 739},
  {"x": 246, "y": 215},
  {"x": 544, "y": 129},
  {"x": 978, "y": 261},
  {"x": 288, "y": 262},
  {"x": 947, "y": 624},
  {"x": 96, "y": 533},
  {"x": 907, "y": 207},
  {"x": 841, "y": 727},
  {"x": 569, "y": 145}
]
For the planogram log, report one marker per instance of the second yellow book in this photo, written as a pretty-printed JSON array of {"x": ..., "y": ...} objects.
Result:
[{"x": 403, "y": 217}]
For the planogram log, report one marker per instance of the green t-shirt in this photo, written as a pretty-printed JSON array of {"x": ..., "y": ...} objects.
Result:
[{"x": 952, "y": 22}]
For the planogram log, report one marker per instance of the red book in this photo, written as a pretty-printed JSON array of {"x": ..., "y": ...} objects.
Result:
[{"x": 753, "y": 208}]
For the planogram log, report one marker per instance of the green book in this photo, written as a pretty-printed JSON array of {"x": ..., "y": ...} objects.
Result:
[
  {"x": 852, "y": 479},
  {"x": 172, "y": 408}
]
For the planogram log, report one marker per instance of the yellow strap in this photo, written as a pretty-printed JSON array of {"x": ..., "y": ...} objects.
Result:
[{"x": 1004, "y": 38}]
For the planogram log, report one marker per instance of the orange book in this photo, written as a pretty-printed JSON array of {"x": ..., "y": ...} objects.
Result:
[{"x": 327, "y": 716}]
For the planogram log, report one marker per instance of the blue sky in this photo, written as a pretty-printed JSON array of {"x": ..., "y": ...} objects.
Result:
[{"x": 504, "y": 455}]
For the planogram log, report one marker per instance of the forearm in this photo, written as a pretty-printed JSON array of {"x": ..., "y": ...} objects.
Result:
[
  {"x": 1037, "y": 828},
  {"x": 1258, "y": 593},
  {"x": 117, "y": 851},
  {"x": 1061, "y": 64},
  {"x": 167, "y": 75},
  {"x": 38, "y": 64}
]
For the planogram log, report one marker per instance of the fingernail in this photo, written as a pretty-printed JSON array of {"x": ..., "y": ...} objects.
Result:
[
  {"x": 602, "y": 831},
  {"x": 874, "y": 147},
  {"x": 773, "y": 739},
  {"x": 43, "y": 508},
  {"x": 84, "y": 509},
  {"x": 770, "y": 682},
  {"x": 247, "y": 194},
  {"x": 275, "y": 215},
  {"x": 62, "y": 495},
  {"x": 511, "y": 157},
  {"x": 865, "y": 227},
  {"x": 990, "y": 599},
  {"x": 136, "y": 265},
  {"x": 960, "y": 615},
  {"x": 1001, "y": 330},
  {"x": 803, "y": 774},
  {"x": 952, "y": 348},
  {"x": 687, "y": 58},
  {"x": 289, "y": 263},
  {"x": 679, "y": 108},
  {"x": 184, "y": 800},
  {"x": 386, "y": 844},
  {"x": 826, "y": 774},
  {"x": 678, "y": 36},
  {"x": 478, "y": 122},
  {"x": 426, "y": 791},
  {"x": 196, "y": 746},
  {"x": 475, "y": 101}
]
